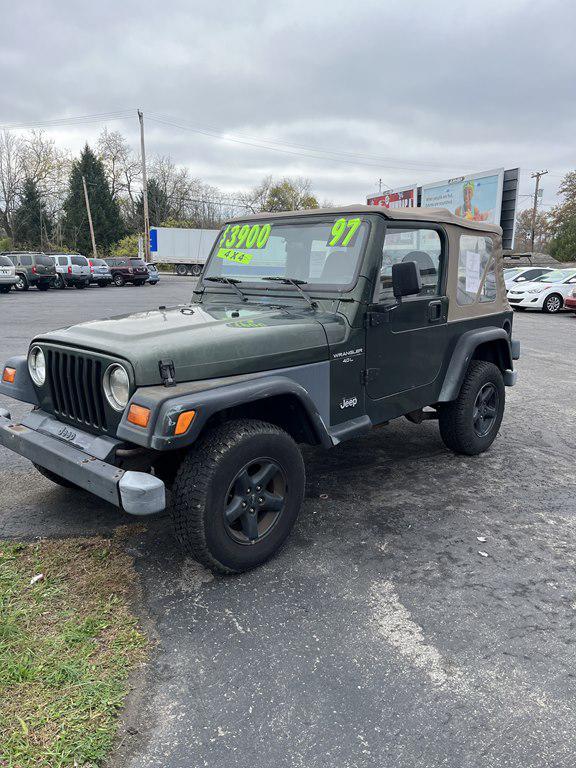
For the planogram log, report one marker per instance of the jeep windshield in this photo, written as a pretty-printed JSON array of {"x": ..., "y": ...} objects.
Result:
[{"x": 325, "y": 252}]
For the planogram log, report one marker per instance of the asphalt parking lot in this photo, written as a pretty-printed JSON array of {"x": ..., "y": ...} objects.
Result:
[{"x": 380, "y": 636}]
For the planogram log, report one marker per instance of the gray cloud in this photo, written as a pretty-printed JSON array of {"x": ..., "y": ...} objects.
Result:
[{"x": 432, "y": 89}]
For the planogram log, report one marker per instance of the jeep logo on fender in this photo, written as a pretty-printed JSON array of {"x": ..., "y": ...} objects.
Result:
[
  {"x": 348, "y": 402},
  {"x": 66, "y": 434}
]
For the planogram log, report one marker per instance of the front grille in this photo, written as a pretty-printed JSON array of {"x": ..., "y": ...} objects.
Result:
[{"x": 75, "y": 383}]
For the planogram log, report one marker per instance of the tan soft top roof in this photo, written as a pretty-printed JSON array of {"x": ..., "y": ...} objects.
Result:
[{"x": 439, "y": 215}]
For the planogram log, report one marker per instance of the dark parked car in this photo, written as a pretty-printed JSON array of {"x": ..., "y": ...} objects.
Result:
[
  {"x": 100, "y": 273},
  {"x": 32, "y": 268},
  {"x": 128, "y": 270}
]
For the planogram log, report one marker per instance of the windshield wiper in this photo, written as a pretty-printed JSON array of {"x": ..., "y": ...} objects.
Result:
[
  {"x": 229, "y": 281},
  {"x": 297, "y": 284}
]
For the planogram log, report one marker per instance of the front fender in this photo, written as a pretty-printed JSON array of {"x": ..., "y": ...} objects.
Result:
[
  {"x": 212, "y": 396},
  {"x": 23, "y": 387},
  {"x": 463, "y": 353}
]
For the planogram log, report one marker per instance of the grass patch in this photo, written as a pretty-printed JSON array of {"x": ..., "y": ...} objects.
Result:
[{"x": 67, "y": 645}]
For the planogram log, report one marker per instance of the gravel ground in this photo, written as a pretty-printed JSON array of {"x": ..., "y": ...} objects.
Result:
[{"x": 380, "y": 636}]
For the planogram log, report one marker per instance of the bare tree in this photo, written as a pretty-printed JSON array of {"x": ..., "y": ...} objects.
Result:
[
  {"x": 123, "y": 170},
  {"x": 12, "y": 175},
  {"x": 255, "y": 199}
]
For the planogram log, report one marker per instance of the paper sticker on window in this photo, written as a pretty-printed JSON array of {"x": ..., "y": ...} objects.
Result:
[
  {"x": 472, "y": 272},
  {"x": 238, "y": 257}
]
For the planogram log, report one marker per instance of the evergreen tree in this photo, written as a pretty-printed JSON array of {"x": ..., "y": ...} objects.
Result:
[
  {"x": 563, "y": 247},
  {"x": 159, "y": 209},
  {"x": 31, "y": 225},
  {"x": 108, "y": 226}
]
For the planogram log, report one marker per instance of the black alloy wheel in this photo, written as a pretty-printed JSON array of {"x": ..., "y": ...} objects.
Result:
[
  {"x": 255, "y": 500},
  {"x": 486, "y": 408}
]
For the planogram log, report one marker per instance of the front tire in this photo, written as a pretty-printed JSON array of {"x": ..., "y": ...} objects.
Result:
[
  {"x": 470, "y": 423},
  {"x": 118, "y": 280},
  {"x": 553, "y": 304},
  {"x": 21, "y": 283},
  {"x": 237, "y": 495}
]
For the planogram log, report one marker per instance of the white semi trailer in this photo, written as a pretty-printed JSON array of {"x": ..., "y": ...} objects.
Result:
[{"x": 185, "y": 249}]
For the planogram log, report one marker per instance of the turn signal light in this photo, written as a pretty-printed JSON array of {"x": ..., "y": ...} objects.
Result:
[
  {"x": 139, "y": 415},
  {"x": 184, "y": 420},
  {"x": 9, "y": 375}
]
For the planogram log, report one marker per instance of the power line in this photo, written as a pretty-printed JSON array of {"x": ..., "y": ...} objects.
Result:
[{"x": 97, "y": 117}]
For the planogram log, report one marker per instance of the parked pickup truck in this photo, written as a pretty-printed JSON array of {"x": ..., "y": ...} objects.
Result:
[{"x": 309, "y": 327}]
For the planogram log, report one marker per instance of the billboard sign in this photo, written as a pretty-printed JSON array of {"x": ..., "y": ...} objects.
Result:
[
  {"x": 477, "y": 197},
  {"x": 402, "y": 197}
]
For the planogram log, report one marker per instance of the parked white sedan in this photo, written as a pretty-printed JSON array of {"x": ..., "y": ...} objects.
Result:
[
  {"x": 547, "y": 293},
  {"x": 523, "y": 275}
]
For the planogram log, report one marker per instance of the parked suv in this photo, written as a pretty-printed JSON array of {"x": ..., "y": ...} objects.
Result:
[
  {"x": 32, "y": 268},
  {"x": 71, "y": 269},
  {"x": 100, "y": 273},
  {"x": 306, "y": 327},
  {"x": 7, "y": 274},
  {"x": 128, "y": 270}
]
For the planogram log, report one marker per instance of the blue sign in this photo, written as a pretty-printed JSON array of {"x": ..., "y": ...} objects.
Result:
[{"x": 153, "y": 240}]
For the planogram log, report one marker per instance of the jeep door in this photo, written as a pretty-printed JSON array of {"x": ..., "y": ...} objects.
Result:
[{"x": 406, "y": 340}]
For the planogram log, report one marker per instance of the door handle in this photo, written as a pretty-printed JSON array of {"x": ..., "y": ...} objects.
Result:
[{"x": 435, "y": 311}]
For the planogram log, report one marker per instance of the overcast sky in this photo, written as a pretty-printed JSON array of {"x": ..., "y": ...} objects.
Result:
[{"x": 409, "y": 92}]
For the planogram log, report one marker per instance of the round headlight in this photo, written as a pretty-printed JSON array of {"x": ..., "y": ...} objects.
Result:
[
  {"x": 117, "y": 386},
  {"x": 37, "y": 365}
]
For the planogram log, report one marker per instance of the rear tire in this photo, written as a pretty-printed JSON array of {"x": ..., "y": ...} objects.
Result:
[
  {"x": 54, "y": 477},
  {"x": 59, "y": 282},
  {"x": 181, "y": 269},
  {"x": 222, "y": 516},
  {"x": 470, "y": 423}
]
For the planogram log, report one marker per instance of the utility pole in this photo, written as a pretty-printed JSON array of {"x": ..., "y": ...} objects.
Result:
[
  {"x": 536, "y": 176},
  {"x": 144, "y": 190},
  {"x": 94, "y": 251}
]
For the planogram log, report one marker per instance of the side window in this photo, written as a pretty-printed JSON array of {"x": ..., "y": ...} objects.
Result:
[
  {"x": 62, "y": 261},
  {"x": 423, "y": 246},
  {"x": 26, "y": 260},
  {"x": 476, "y": 274}
]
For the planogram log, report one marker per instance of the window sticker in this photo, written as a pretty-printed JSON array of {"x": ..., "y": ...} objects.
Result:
[
  {"x": 245, "y": 236},
  {"x": 238, "y": 257},
  {"x": 472, "y": 272},
  {"x": 343, "y": 231}
]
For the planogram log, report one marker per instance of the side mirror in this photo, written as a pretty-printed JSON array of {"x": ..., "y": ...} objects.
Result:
[{"x": 406, "y": 279}]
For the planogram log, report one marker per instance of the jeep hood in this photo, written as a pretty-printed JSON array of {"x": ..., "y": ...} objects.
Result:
[{"x": 208, "y": 340}]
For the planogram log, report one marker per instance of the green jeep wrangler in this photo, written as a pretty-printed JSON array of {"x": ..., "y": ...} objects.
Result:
[{"x": 308, "y": 327}]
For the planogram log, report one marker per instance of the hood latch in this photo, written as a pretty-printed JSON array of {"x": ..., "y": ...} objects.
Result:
[{"x": 167, "y": 372}]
